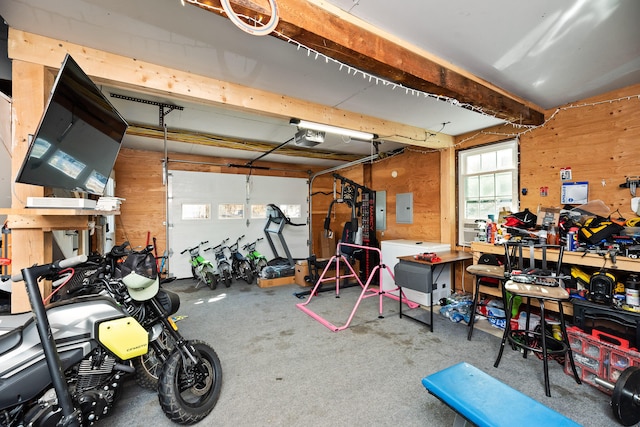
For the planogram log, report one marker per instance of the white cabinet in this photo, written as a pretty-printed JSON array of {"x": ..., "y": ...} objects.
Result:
[{"x": 392, "y": 249}]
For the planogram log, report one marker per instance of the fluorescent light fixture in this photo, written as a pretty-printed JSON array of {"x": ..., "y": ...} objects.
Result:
[{"x": 355, "y": 134}]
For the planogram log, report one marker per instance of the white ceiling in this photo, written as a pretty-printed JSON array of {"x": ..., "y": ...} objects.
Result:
[{"x": 547, "y": 52}]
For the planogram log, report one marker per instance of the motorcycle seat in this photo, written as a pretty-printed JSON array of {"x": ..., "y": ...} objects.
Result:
[{"x": 11, "y": 330}]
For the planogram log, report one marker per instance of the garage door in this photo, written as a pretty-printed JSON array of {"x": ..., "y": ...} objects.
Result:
[{"x": 213, "y": 206}]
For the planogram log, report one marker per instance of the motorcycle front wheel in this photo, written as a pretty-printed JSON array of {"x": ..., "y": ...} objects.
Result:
[
  {"x": 245, "y": 272},
  {"x": 227, "y": 278},
  {"x": 212, "y": 280},
  {"x": 260, "y": 265},
  {"x": 187, "y": 395},
  {"x": 149, "y": 365}
]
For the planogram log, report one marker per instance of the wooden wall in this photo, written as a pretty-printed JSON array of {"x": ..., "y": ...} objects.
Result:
[
  {"x": 138, "y": 176},
  {"x": 418, "y": 172},
  {"x": 600, "y": 142},
  {"x": 598, "y": 139}
]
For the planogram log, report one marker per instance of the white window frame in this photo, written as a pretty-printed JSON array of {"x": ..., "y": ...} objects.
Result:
[
  {"x": 466, "y": 221},
  {"x": 226, "y": 211},
  {"x": 196, "y": 211},
  {"x": 291, "y": 211},
  {"x": 258, "y": 211}
]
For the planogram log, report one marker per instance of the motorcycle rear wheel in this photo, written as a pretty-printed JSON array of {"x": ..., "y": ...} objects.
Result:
[{"x": 184, "y": 397}]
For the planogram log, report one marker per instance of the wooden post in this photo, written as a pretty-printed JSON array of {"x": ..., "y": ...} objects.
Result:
[
  {"x": 448, "y": 196},
  {"x": 30, "y": 88}
]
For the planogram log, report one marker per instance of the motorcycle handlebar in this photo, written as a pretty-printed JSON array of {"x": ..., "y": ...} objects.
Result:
[
  {"x": 120, "y": 250},
  {"x": 56, "y": 265},
  {"x": 70, "y": 262},
  {"x": 190, "y": 249},
  {"x": 252, "y": 243},
  {"x": 218, "y": 246}
]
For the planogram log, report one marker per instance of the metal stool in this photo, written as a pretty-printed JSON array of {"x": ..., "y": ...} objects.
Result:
[{"x": 482, "y": 271}]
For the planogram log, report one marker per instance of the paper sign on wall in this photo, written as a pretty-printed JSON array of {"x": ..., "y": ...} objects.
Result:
[{"x": 575, "y": 193}]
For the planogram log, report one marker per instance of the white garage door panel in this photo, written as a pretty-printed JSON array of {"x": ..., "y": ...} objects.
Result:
[{"x": 214, "y": 189}]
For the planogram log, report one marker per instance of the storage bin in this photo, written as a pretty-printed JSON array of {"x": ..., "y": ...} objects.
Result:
[
  {"x": 625, "y": 324},
  {"x": 599, "y": 355}
]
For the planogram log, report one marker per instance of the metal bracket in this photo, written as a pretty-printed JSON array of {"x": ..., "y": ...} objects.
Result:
[
  {"x": 632, "y": 183},
  {"x": 164, "y": 109}
]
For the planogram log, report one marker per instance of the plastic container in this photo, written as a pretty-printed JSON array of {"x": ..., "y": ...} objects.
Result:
[
  {"x": 632, "y": 290},
  {"x": 602, "y": 355},
  {"x": 572, "y": 239},
  {"x": 534, "y": 320}
]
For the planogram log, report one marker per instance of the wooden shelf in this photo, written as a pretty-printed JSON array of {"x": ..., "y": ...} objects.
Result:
[
  {"x": 568, "y": 257},
  {"x": 55, "y": 212},
  {"x": 51, "y": 219}
]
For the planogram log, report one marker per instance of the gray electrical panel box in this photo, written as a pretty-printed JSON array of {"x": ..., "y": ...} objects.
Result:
[
  {"x": 404, "y": 208},
  {"x": 381, "y": 210}
]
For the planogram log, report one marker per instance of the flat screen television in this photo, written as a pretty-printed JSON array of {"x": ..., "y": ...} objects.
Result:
[{"x": 78, "y": 138}]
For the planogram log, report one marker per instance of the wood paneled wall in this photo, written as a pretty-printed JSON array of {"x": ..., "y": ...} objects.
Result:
[
  {"x": 138, "y": 176},
  {"x": 599, "y": 138},
  {"x": 599, "y": 141},
  {"x": 418, "y": 172}
]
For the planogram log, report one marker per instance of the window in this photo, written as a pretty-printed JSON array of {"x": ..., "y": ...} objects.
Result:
[
  {"x": 487, "y": 183},
  {"x": 230, "y": 211},
  {"x": 196, "y": 211},
  {"x": 258, "y": 211},
  {"x": 291, "y": 211}
]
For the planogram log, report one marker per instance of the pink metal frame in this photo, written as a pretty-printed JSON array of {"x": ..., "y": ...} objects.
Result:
[{"x": 366, "y": 290}]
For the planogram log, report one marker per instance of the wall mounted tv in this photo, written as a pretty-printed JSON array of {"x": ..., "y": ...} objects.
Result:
[{"x": 78, "y": 139}]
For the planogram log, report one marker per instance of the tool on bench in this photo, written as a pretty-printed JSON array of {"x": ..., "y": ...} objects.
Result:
[
  {"x": 625, "y": 400},
  {"x": 428, "y": 256}
]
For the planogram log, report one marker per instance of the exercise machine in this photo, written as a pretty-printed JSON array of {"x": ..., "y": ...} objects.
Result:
[
  {"x": 359, "y": 230},
  {"x": 276, "y": 222}
]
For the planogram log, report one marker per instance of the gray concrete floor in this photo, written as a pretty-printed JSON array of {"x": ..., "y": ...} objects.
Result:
[{"x": 282, "y": 368}]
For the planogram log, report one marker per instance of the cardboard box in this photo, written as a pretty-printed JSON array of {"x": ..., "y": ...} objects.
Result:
[
  {"x": 302, "y": 270},
  {"x": 327, "y": 244},
  {"x": 279, "y": 281}
]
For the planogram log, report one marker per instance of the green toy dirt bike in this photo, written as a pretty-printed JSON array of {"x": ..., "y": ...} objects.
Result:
[
  {"x": 255, "y": 258},
  {"x": 201, "y": 268}
]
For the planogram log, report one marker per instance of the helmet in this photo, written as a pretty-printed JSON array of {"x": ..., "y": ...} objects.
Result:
[
  {"x": 140, "y": 274},
  {"x": 141, "y": 288}
]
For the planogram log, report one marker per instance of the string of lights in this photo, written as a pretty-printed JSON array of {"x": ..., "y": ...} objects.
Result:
[{"x": 355, "y": 72}]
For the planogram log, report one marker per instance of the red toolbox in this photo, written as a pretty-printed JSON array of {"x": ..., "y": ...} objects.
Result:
[{"x": 599, "y": 354}]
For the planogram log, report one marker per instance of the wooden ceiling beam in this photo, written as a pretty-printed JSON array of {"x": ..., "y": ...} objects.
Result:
[
  {"x": 143, "y": 77},
  {"x": 336, "y": 34},
  {"x": 219, "y": 141}
]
